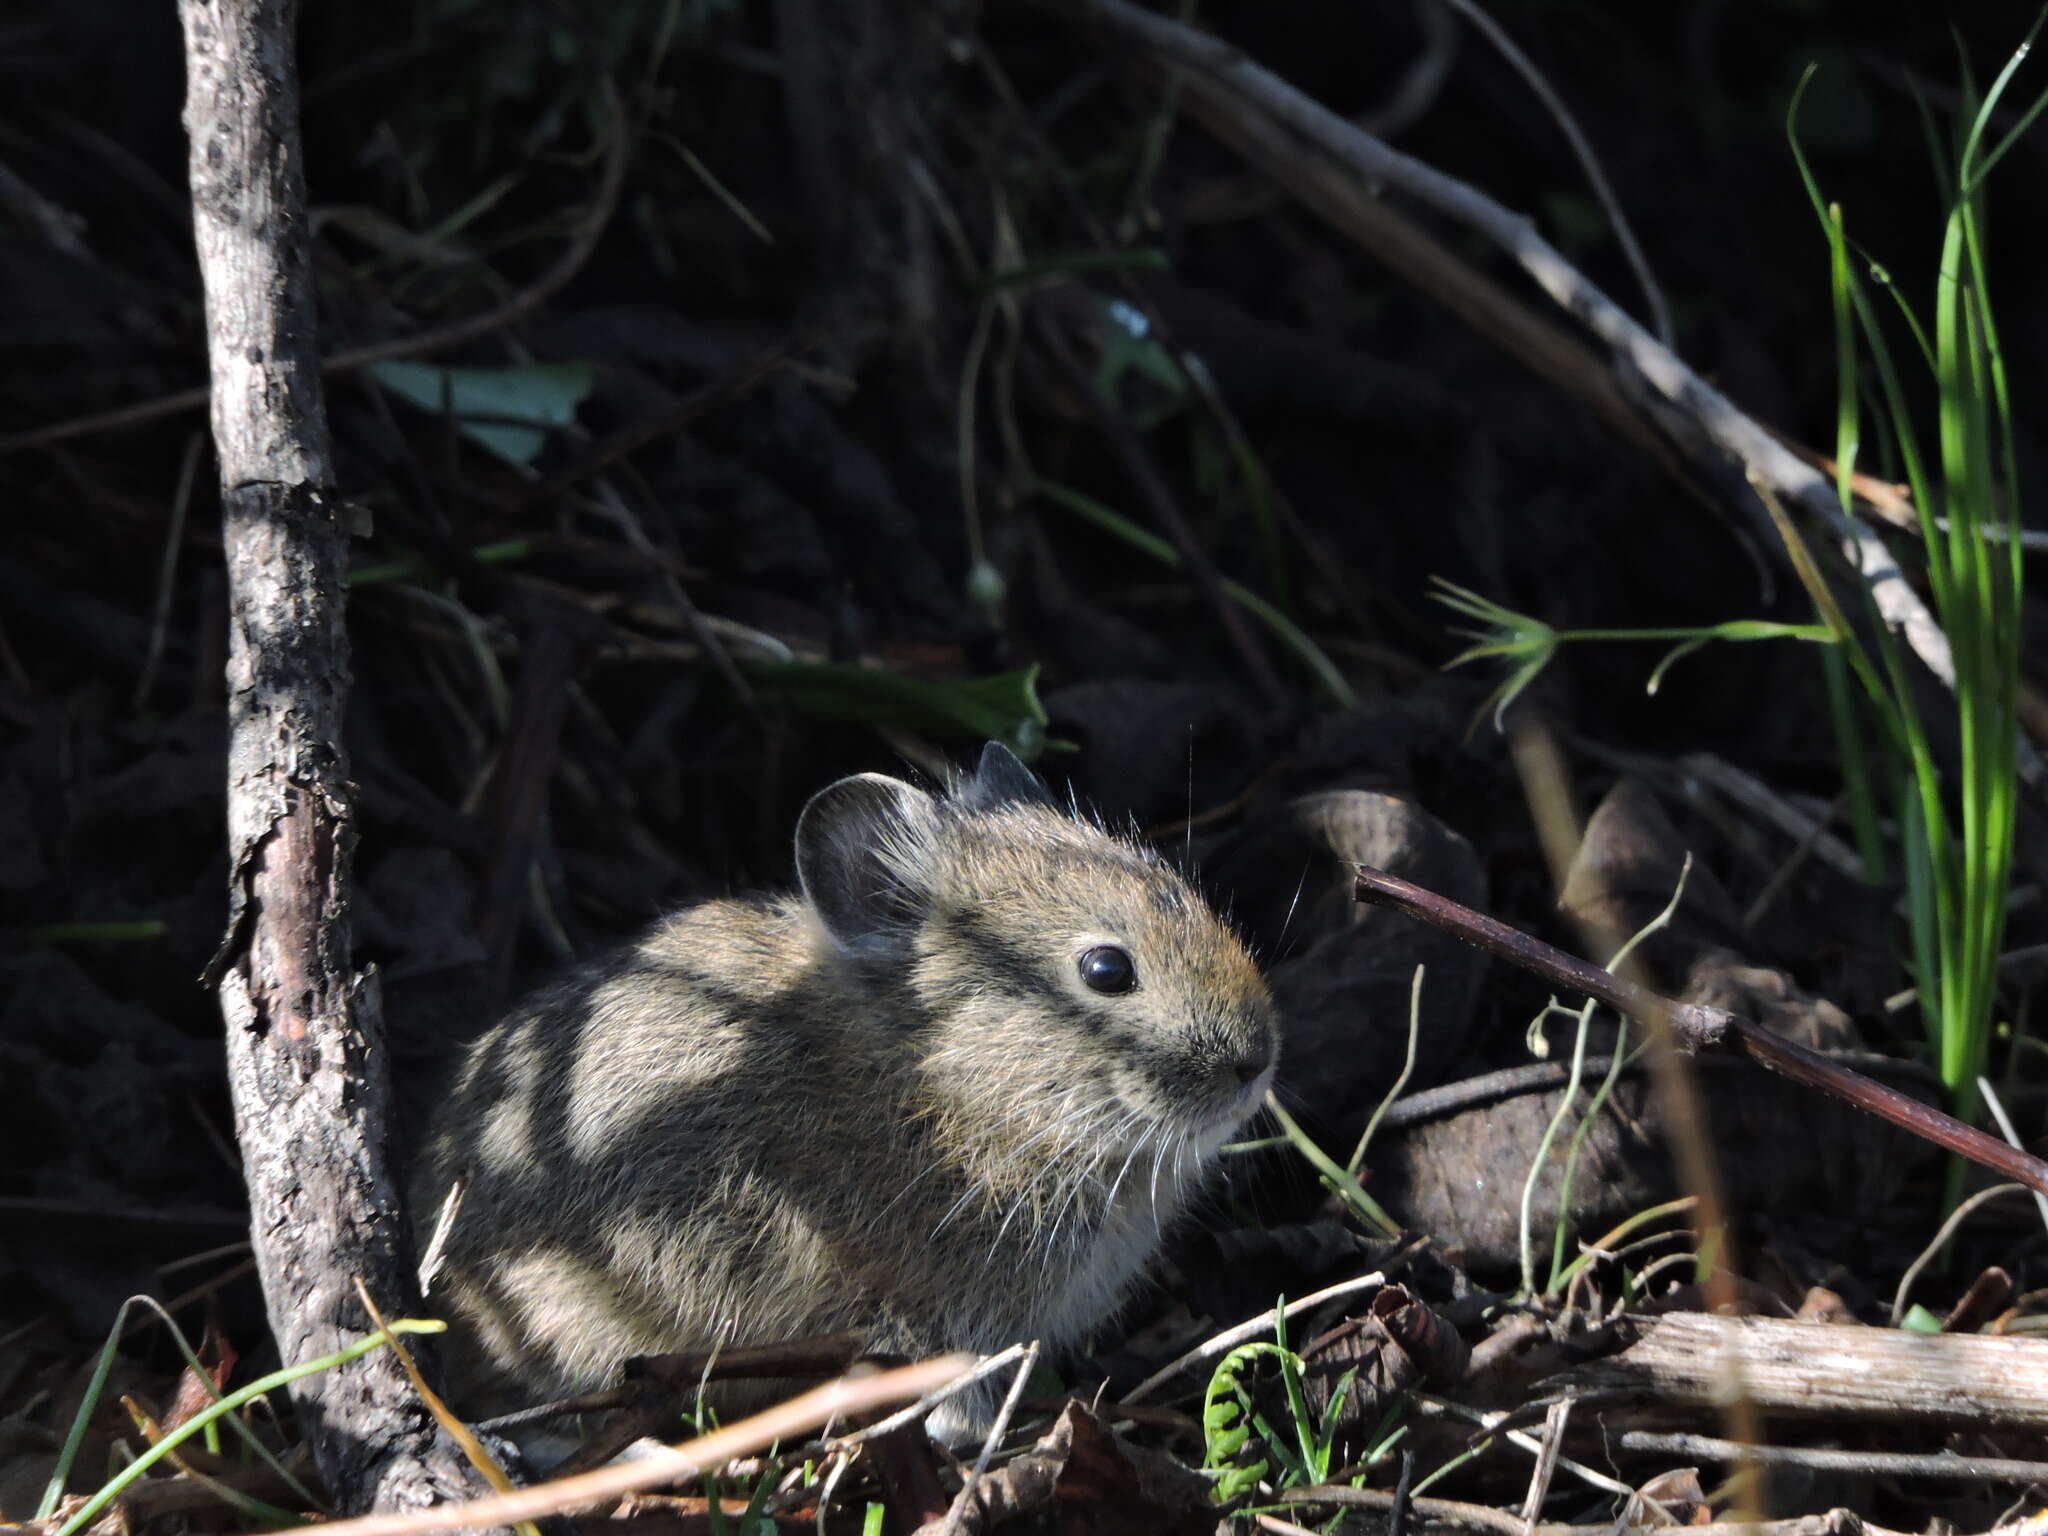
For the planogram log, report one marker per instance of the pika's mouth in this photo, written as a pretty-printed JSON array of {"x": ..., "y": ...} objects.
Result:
[
  {"x": 1222, "y": 1123},
  {"x": 1201, "y": 1118}
]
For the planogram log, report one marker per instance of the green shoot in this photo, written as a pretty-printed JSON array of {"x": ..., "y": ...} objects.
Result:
[
  {"x": 1620, "y": 1057},
  {"x": 60, "y": 1474},
  {"x": 1612, "y": 1240},
  {"x": 1957, "y": 828},
  {"x": 1527, "y": 644},
  {"x": 1394, "y": 1090},
  {"x": 1241, "y": 1444},
  {"x": 1284, "y": 629},
  {"x": 1569, "y": 1097},
  {"x": 1550, "y": 1130},
  {"x": 1335, "y": 1176}
]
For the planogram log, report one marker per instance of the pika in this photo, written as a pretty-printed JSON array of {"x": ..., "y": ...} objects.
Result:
[{"x": 948, "y": 1096}]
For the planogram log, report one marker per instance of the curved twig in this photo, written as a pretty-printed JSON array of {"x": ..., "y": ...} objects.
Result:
[{"x": 1624, "y": 232}]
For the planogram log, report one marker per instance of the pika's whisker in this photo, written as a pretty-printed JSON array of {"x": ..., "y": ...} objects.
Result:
[{"x": 1287, "y": 922}]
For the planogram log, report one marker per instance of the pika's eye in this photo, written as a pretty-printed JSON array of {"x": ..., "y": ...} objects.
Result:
[{"x": 1106, "y": 968}]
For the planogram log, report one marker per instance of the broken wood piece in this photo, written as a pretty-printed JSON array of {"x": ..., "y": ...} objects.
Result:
[
  {"x": 1900, "y": 1464},
  {"x": 1455, "y": 1515},
  {"x": 1830, "y": 1370}
]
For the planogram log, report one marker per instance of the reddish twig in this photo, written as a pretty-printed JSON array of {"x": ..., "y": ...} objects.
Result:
[
  {"x": 1698, "y": 1026},
  {"x": 835, "y": 1401}
]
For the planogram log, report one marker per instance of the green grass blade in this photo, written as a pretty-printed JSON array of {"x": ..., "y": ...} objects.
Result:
[
  {"x": 1974, "y": 169},
  {"x": 1541, "y": 1156},
  {"x": 1852, "y": 748},
  {"x": 112, "y": 1488},
  {"x": 1335, "y": 1174},
  {"x": 1284, "y": 629},
  {"x": 53, "y": 1491}
]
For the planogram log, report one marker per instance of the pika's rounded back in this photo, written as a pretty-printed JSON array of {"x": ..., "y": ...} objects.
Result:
[{"x": 948, "y": 1096}]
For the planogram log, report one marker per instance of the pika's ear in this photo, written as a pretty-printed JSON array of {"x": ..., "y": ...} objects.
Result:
[
  {"x": 863, "y": 856},
  {"x": 1002, "y": 780}
]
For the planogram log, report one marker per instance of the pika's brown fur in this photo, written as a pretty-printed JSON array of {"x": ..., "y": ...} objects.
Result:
[{"x": 893, "y": 1103}]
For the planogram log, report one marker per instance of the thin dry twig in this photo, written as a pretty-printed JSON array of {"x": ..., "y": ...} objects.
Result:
[
  {"x": 2008, "y": 1130},
  {"x": 1554, "y": 1420},
  {"x": 1542, "y": 1448},
  {"x": 669, "y": 1464},
  {"x": 1985, "y": 1469},
  {"x": 952, "y": 1386},
  {"x": 1135, "y": 460},
  {"x": 1280, "y": 1527},
  {"x": 1939, "y": 1241},
  {"x": 1250, "y": 1328},
  {"x": 965, "y": 1499},
  {"x": 1501, "y": 1522},
  {"x": 1747, "y": 790},
  {"x": 167, "y": 571},
  {"x": 1624, "y": 232},
  {"x": 1698, "y": 1026}
]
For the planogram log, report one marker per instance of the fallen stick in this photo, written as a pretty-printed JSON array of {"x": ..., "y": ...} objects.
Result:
[
  {"x": 1830, "y": 1371},
  {"x": 1698, "y": 1026},
  {"x": 1902, "y": 1464},
  {"x": 670, "y": 1464},
  {"x": 1503, "y": 1522}
]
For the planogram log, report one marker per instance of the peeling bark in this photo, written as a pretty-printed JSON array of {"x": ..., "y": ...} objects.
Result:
[{"x": 304, "y": 1049}]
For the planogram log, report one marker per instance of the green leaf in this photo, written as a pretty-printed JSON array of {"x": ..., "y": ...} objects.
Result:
[
  {"x": 543, "y": 394},
  {"x": 1919, "y": 1320},
  {"x": 1002, "y": 708}
]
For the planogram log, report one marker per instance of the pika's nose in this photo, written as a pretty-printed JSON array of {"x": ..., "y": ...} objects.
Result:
[{"x": 1252, "y": 1060}]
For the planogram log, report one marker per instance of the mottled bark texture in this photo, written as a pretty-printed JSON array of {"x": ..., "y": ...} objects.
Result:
[{"x": 305, "y": 1061}]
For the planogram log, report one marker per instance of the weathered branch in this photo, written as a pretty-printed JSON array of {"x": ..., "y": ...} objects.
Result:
[
  {"x": 1830, "y": 1372},
  {"x": 1455, "y": 1514},
  {"x": 1378, "y": 164},
  {"x": 305, "y": 1062}
]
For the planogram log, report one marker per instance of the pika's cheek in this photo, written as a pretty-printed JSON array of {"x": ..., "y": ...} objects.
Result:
[{"x": 1143, "y": 1089}]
